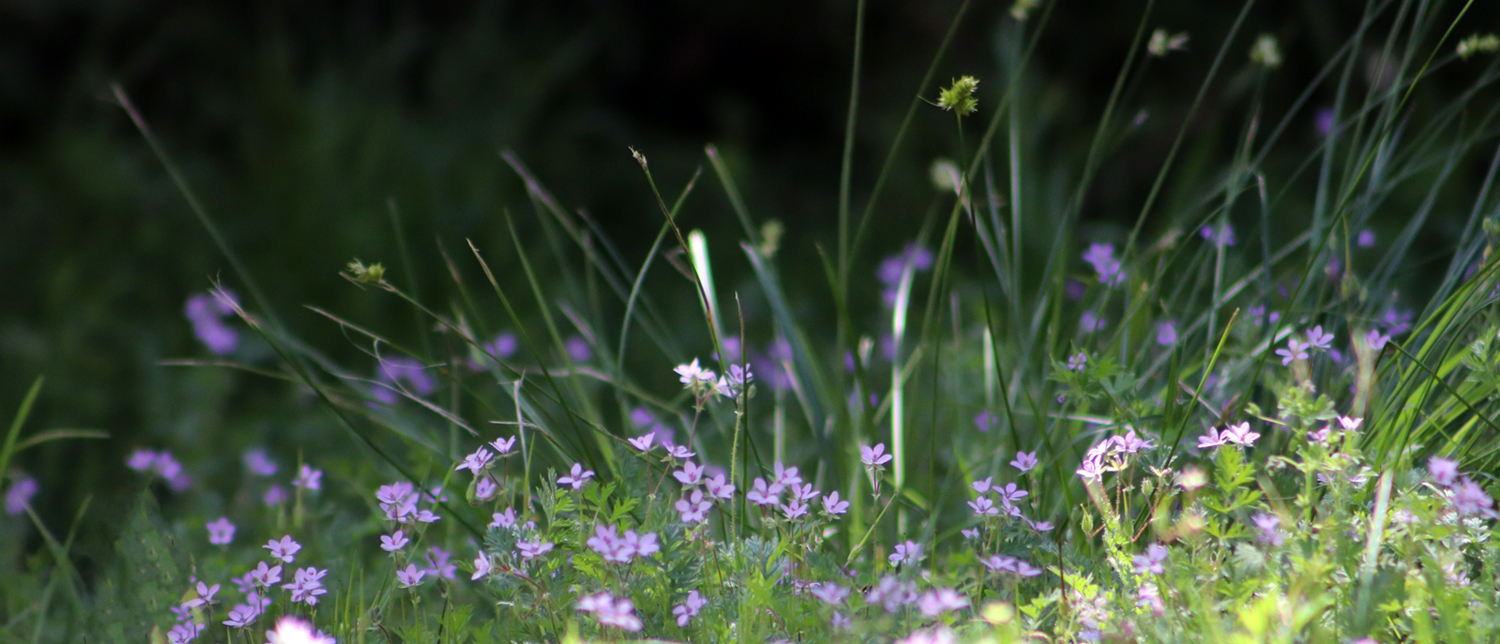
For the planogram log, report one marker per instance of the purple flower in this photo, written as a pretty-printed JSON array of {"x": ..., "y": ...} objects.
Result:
[
  {"x": 307, "y": 586},
  {"x": 1151, "y": 561},
  {"x": 578, "y": 349},
  {"x": 1166, "y": 333},
  {"x": 891, "y": 594},
  {"x": 692, "y": 507},
  {"x": 1270, "y": 530},
  {"x": 984, "y": 507},
  {"x": 874, "y": 456},
  {"x": 309, "y": 478},
  {"x": 1010, "y": 492},
  {"x": 18, "y": 497},
  {"x": 1317, "y": 339},
  {"x": 184, "y": 632},
  {"x": 242, "y": 615},
  {"x": 690, "y": 475},
  {"x": 534, "y": 548},
  {"x": 503, "y": 346},
  {"x": 221, "y": 532},
  {"x": 787, "y": 476},
  {"x": 398, "y": 501},
  {"x": 205, "y": 595},
  {"x": 257, "y": 463},
  {"x": 1102, "y": 258},
  {"x": 395, "y": 371},
  {"x": 1024, "y": 461},
  {"x": 642, "y": 443},
  {"x": 1469, "y": 498},
  {"x": 1443, "y": 471},
  {"x": 1366, "y": 238},
  {"x": 794, "y": 510},
  {"x": 393, "y": 542},
  {"x": 1090, "y": 322},
  {"x": 410, "y": 576},
  {"x": 1376, "y": 339},
  {"x": 971, "y": 534},
  {"x": 506, "y": 519},
  {"x": 910, "y": 552},
  {"x": 833, "y": 506},
  {"x": 678, "y": 451},
  {"x": 762, "y": 494},
  {"x": 265, "y": 576},
  {"x": 482, "y": 567},
  {"x": 829, "y": 593},
  {"x": 206, "y": 311},
  {"x": 285, "y": 549},
  {"x": 985, "y": 485},
  {"x": 141, "y": 460},
  {"x": 1077, "y": 362},
  {"x": 984, "y": 420},
  {"x": 941, "y": 600},
  {"x": 477, "y": 462},
  {"x": 1221, "y": 237},
  {"x": 999, "y": 563},
  {"x": 1294, "y": 351},
  {"x": 688, "y": 609},
  {"x": 503, "y": 446},
  {"x": 619, "y": 613},
  {"x": 576, "y": 477},
  {"x": 719, "y": 488},
  {"x": 438, "y": 565},
  {"x": 274, "y": 496},
  {"x": 1212, "y": 439},
  {"x": 485, "y": 489},
  {"x": 1239, "y": 434}
]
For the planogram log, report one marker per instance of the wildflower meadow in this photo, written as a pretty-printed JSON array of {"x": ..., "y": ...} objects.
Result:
[{"x": 1259, "y": 410}]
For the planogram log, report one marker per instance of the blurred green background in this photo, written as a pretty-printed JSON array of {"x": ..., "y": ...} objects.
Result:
[{"x": 297, "y": 124}]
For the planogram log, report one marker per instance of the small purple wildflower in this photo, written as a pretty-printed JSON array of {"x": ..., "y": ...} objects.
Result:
[
  {"x": 410, "y": 576},
  {"x": 1024, "y": 461},
  {"x": 1102, "y": 258},
  {"x": 533, "y": 548},
  {"x": 221, "y": 532},
  {"x": 909, "y": 552},
  {"x": 482, "y": 567},
  {"x": 690, "y": 475},
  {"x": 1270, "y": 529},
  {"x": 1366, "y": 238},
  {"x": 1469, "y": 498},
  {"x": 1091, "y": 322},
  {"x": 438, "y": 564},
  {"x": 1239, "y": 434},
  {"x": 504, "y": 446},
  {"x": 718, "y": 487},
  {"x": 984, "y": 507},
  {"x": 689, "y": 608},
  {"x": 692, "y": 508},
  {"x": 307, "y": 586},
  {"x": 1077, "y": 362},
  {"x": 207, "y": 312},
  {"x": 576, "y": 477},
  {"x": 503, "y": 346},
  {"x": 284, "y": 549},
  {"x": 394, "y": 371},
  {"x": 1442, "y": 470},
  {"x": 258, "y": 463},
  {"x": 578, "y": 349},
  {"x": 1151, "y": 561},
  {"x": 393, "y": 542},
  {"x": 1294, "y": 350},
  {"x": 476, "y": 462},
  {"x": 1211, "y": 439},
  {"x": 940, "y": 600},
  {"x": 874, "y": 456},
  {"x": 642, "y": 443},
  {"x": 1376, "y": 339},
  {"x": 309, "y": 478},
  {"x": 610, "y": 611},
  {"x": 1166, "y": 333},
  {"x": 19, "y": 496},
  {"x": 829, "y": 593},
  {"x": 485, "y": 489},
  {"x": 762, "y": 494},
  {"x": 1317, "y": 339},
  {"x": 833, "y": 506},
  {"x": 984, "y": 420}
]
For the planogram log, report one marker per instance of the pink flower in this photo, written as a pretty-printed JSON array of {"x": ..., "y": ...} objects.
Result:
[
  {"x": 874, "y": 456},
  {"x": 576, "y": 477},
  {"x": 285, "y": 549},
  {"x": 220, "y": 532},
  {"x": 393, "y": 542},
  {"x": 832, "y": 505}
]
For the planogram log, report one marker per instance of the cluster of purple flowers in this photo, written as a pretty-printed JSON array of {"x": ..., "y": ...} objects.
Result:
[
  {"x": 1269, "y": 529},
  {"x": 1111, "y": 455},
  {"x": 611, "y": 611},
  {"x": 1466, "y": 496},
  {"x": 987, "y": 493},
  {"x": 479, "y": 462},
  {"x": 617, "y": 548},
  {"x": 399, "y": 503},
  {"x": 162, "y": 464},
  {"x": 207, "y": 312},
  {"x": 704, "y": 383},
  {"x": 1220, "y": 236},
  {"x": 1150, "y": 562},
  {"x": 1238, "y": 434},
  {"x": 1102, "y": 258},
  {"x": 1010, "y": 565}
]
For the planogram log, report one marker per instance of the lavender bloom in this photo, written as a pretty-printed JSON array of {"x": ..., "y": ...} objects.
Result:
[
  {"x": 503, "y": 346},
  {"x": 1317, "y": 339},
  {"x": 1294, "y": 351},
  {"x": 678, "y": 451},
  {"x": 437, "y": 560},
  {"x": 1166, "y": 333},
  {"x": 891, "y": 594},
  {"x": 718, "y": 488},
  {"x": 1366, "y": 238},
  {"x": 141, "y": 460},
  {"x": 506, "y": 519},
  {"x": 936, "y": 602},
  {"x": 309, "y": 478},
  {"x": 642, "y": 443},
  {"x": 410, "y": 576},
  {"x": 1151, "y": 561},
  {"x": 394, "y": 371},
  {"x": 578, "y": 349},
  {"x": 909, "y": 552},
  {"x": 307, "y": 586},
  {"x": 1024, "y": 461},
  {"x": 833, "y": 506},
  {"x": 690, "y": 475},
  {"x": 1376, "y": 339},
  {"x": 1077, "y": 362},
  {"x": 984, "y": 507},
  {"x": 257, "y": 463},
  {"x": 477, "y": 462},
  {"x": 221, "y": 532},
  {"x": 619, "y": 613},
  {"x": 984, "y": 420},
  {"x": 829, "y": 593},
  {"x": 504, "y": 446},
  {"x": 206, "y": 311},
  {"x": 284, "y": 549},
  {"x": 1102, "y": 258},
  {"x": 1270, "y": 530},
  {"x": 1258, "y": 314},
  {"x": 762, "y": 494},
  {"x": 393, "y": 542},
  {"x": 576, "y": 477},
  {"x": 18, "y": 497},
  {"x": 482, "y": 567},
  {"x": 1212, "y": 439},
  {"x": 1469, "y": 498},
  {"x": 796, "y": 509},
  {"x": 692, "y": 508},
  {"x": 874, "y": 456},
  {"x": 205, "y": 595},
  {"x": 984, "y": 486},
  {"x": 1443, "y": 471},
  {"x": 1222, "y": 237},
  {"x": 621, "y": 549},
  {"x": 533, "y": 548},
  {"x": 786, "y": 476},
  {"x": 1240, "y": 434},
  {"x": 242, "y": 615},
  {"x": 485, "y": 489},
  {"x": 1010, "y": 492},
  {"x": 1398, "y": 322},
  {"x": 1090, "y": 322},
  {"x": 689, "y": 609},
  {"x": 265, "y": 576},
  {"x": 398, "y": 501},
  {"x": 184, "y": 632},
  {"x": 274, "y": 496}
]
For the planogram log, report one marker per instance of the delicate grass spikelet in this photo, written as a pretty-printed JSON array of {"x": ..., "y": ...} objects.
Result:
[
  {"x": 1163, "y": 43},
  {"x": 1477, "y": 44},
  {"x": 1266, "y": 52},
  {"x": 372, "y": 274},
  {"x": 960, "y": 96}
]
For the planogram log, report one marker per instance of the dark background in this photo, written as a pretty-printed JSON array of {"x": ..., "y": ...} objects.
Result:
[{"x": 297, "y": 122}]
